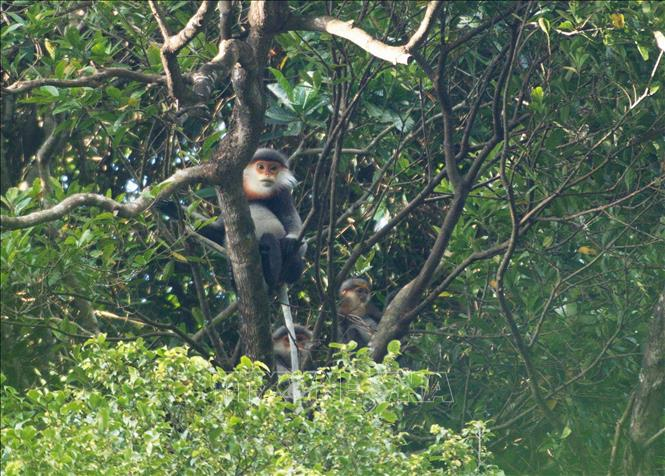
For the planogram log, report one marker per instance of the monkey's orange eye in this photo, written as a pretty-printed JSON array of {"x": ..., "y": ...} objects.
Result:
[{"x": 260, "y": 166}]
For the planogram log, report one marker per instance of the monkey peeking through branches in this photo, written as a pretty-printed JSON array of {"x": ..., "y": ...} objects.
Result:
[
  {"x": 358, "y": 318},
  {"x": 281, "y": 346}
]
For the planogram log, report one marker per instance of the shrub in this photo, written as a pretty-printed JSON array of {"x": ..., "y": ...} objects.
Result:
[{"x": 126, "y": 409}]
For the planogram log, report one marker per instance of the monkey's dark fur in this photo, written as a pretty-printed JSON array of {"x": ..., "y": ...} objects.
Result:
[{"x": 276, "y": 220}]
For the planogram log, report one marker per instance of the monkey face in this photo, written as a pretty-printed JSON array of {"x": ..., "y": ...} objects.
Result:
[
  {"x": 264, "y": 175},
  {"x": 267, "y": 171},
  {"x": 282, "y": 345},
  {"x": 357, "y": 293},
  {"x": 363, "y": 293},
  {"x": 303, "y": 342},
  {"x": 263, "y": 179}
]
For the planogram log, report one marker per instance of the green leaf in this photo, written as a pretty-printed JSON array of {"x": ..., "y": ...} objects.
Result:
[
  {"x": 565, "y": 433},
  {"x": 394, "y": 347},
  {"x": 73, "y": 37},
  {"x": 283, "y": 83},
  {"x": 114, "y": 92},
  {"x": 644, "y": 51},
  {"x": 50, "y": 90},
  {"x": 50, "y": 47}
]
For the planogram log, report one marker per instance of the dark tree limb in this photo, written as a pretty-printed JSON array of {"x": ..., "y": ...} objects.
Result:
[
  {"x": 225, "y": 10},
  {"x": 175, "y": 82},
  {"x": 229, "y": 159},
  {"x": 230, "y": 310},
  {"x": 231, "y": 52},
  {"x": 522, "y": 348},
  {"x": 394, "y": 324},
  {"x": 618, "y": 428}
]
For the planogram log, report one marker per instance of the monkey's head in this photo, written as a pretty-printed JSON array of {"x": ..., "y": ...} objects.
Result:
[
  {"x": 266, "y": 175},
  {"x": 356, "y": 290},
  {"x": 281, "y": 345}
]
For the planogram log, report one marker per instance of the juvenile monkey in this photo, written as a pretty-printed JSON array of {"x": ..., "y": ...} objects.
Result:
[
  {"x": 358, "y": 318},
  {"x": 281, "y": 346}
]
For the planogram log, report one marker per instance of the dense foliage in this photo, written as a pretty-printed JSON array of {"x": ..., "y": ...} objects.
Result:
[
  {"x": 542, "y": 282},
  {"x": 128, "y": 410}
]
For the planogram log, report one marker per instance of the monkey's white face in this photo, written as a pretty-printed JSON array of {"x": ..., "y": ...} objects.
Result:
[{"x": 263, "y": 179}]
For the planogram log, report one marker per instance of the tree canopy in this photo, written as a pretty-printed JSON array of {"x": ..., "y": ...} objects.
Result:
[{"x": 494, "y": 168}]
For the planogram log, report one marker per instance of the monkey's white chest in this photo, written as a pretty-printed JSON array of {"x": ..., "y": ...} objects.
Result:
[{"x": 266, "y": 221}]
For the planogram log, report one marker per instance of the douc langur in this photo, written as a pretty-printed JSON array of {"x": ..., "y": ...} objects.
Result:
[
  {"x": 358, "y": 318},
  {"x": 281, "y": 346},
  {"x": 267, "y": 183}
]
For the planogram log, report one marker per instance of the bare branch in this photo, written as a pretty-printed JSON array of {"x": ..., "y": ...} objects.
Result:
[
  {"x": 618, "y": 428},
  {"x": 195, "y": 24},
  {"x": 166, "y": 188},
  {"x": 46, "y": 152},
  {"x": 483, "y": 26},
  {"x": 174, "y": 43},
  {"x": 346, "y": 30},
  {"x": 91, "y": 80},
  {"x": 159, "y": 18},
  {"x": 359, "y": 37},
  {"x": 225, "y": 9},
  {"x": 423, "y": 30},
  {"x": 230, "y": 310}
]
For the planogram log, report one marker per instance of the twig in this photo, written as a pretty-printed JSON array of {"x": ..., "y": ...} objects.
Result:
[{"x": 617, "y": 434}]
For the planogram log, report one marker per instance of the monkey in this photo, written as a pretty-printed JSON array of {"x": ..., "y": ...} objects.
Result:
[
  {"x": 281, "y": 346},
  {"x": 267, "y": 183},
  {"x": 359, "y": 318}
]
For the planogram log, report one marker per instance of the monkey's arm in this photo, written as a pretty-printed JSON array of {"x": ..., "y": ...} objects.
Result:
[
  {"x": 361, "y": 332},
  {"x": 285, "y": 209},
  {"x": 213, "y": 231}
]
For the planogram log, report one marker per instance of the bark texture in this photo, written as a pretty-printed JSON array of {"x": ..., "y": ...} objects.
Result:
[{"x": 643, "y": 452}]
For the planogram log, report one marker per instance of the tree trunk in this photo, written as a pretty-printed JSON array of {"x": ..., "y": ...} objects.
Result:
[{"x": 642, "y": 450}]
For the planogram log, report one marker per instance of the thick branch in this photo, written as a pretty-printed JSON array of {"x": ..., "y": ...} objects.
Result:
[
  {"x": 641, "y": 456},
  {"x": 225, "y": 10},
  {"x": 359, "y": 37},
  {"x": 346, "y": 30},
  {"x": 231, "y": 52},
  {"x": 392, "y": 325},
  {"x": 166, "y": 188},
  {"x": 229, "y": 311},
  {"x": 423, "y": 30},
  {"x": 229, "y": 159},
  {"x": 159, "y": 18}
]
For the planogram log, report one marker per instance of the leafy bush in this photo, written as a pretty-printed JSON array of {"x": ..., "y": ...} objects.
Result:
[{"x": 126, "y": 409}]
